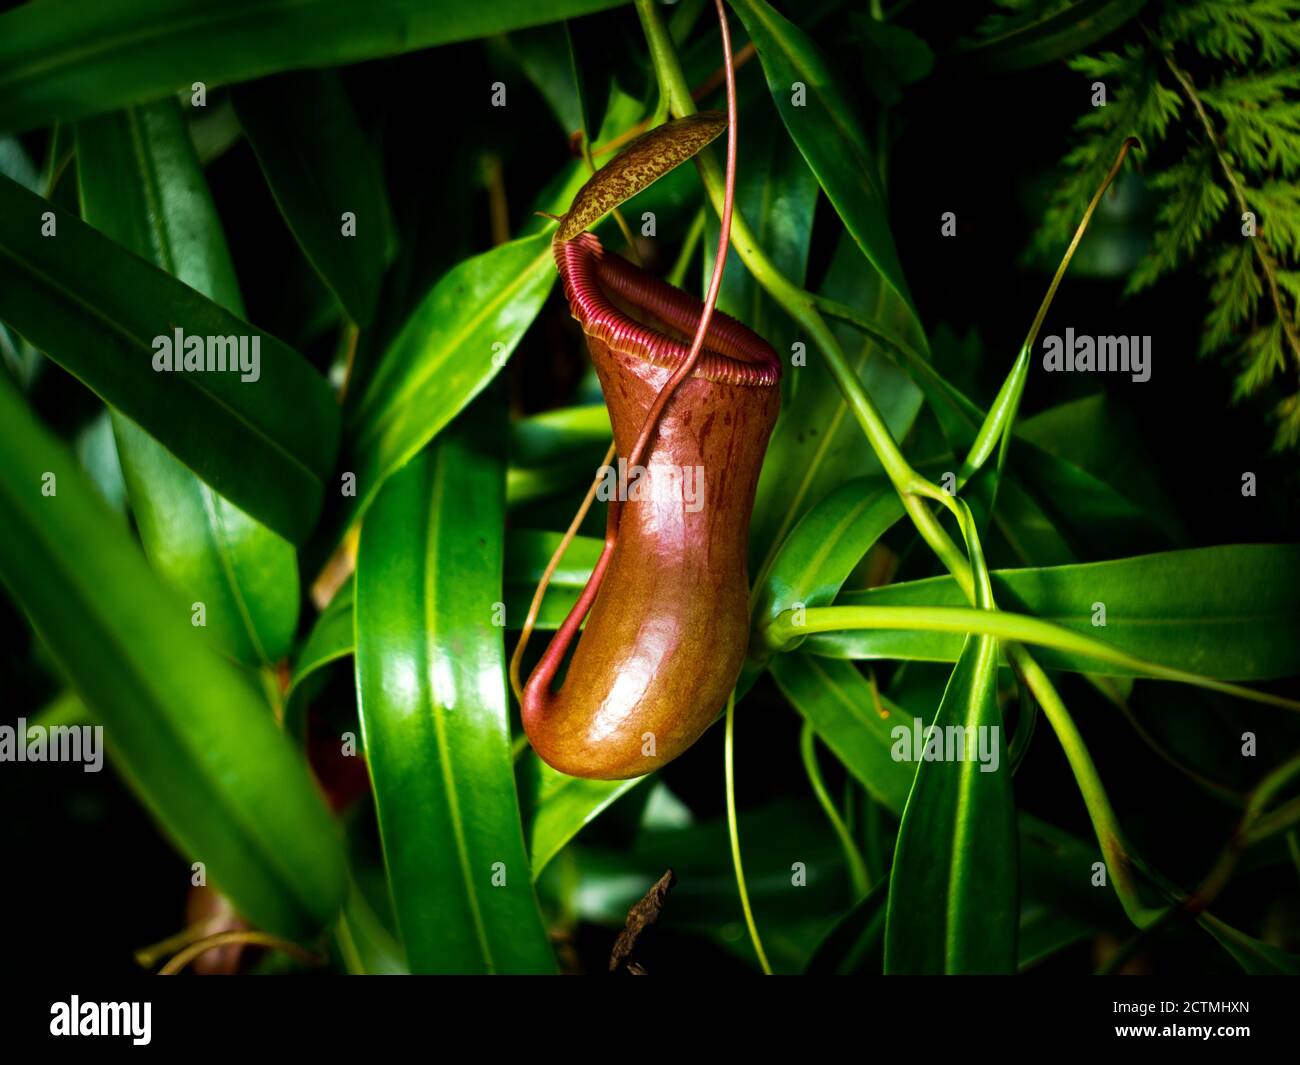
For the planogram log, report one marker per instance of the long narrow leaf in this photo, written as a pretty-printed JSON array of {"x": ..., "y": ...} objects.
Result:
[
  {"x": 142, "y": 185},
  {"x": 431, "y": 680},
  {"x": 98, "y": 310},
  {"x": 838, "y": 702},
  {"x": 457, "y": 340},
  {"x": 190, "y": 731},
  {"x": 1032, "y": 39},
  {"x": 557, "y": 806},
  {"x": 823, "y": 125},
  {"x": 325, "y": 180},
  {"x": 957, "y": 842},
  {"x": 69, "y": 58}
]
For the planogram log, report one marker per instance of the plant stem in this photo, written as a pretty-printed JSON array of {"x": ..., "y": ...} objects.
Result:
[
  {"x": 857, "y": 867},
  {"x": 1254, "y": 827},
  {"x": 1019, "y": 628},
  {"x": 677, "y": 275},
  {"x": 734, "y": 832},
  {"x": 1105, "y": 825},
  {"x": 539, "y": 593},
  {"x": 251, "y": 938},
  {"x": 1128, "y": 951}
]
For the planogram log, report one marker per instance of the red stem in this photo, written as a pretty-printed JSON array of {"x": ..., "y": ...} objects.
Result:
[{"x": 719, "y": 262}]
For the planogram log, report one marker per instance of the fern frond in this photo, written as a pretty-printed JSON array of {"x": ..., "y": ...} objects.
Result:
[
  {"x": 1289, "y": 282},
  {"x": 1237, "y": 30},
  {"x": 1137, "y": 103},
  {"x": 1261, "y": 124},
  {"x": 1264, "y": 359},
  {"x": 1233, "y": 134},
  {"x": 1287, "y": 414},
  {"x": 1192, "y": 202},
  {"x": 1234, "y": 296},
  {"x": 1278, "y": 205}
]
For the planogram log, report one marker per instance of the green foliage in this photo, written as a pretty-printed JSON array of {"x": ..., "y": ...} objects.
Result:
[
  {"x": 1028, "y": 33},
  {"x": 427, "y": 424},
  {"x": 1210, "y": 88}
]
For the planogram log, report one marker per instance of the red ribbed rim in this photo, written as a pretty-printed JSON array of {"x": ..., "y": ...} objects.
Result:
[{"x": 733, "y": 354}]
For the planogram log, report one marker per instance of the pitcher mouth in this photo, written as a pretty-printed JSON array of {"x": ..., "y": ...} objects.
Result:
[{"x": 638, "y": 315}]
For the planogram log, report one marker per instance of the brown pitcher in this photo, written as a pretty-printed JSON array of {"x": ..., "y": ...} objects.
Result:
[{"x": 669, "y": 606}]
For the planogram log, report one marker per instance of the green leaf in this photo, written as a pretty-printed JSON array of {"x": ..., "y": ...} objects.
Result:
[
  {"x": 546, "y": 56},
  {"x": 1028, "y": 529},
  {"x": 822, "y": 550},
  {"x": 1057, "y": 511},
  {"x": 1058, "y": 907},
  {"x": 776, "y": 194},
  {"x": 1100, "y": 438},
  {"x": 527, "y": 553},
  {"x": 892, "y": 56},
  {"x": 555, "y": 450},
  {"x": 827, "y": 133},
  {"x": 838, "y": 702},
  {"x": 1026, "y": 43},
  {"x": 1230, "y": 612},
  {"x": 1039, "y": 489},
  {"x": 188, "y": 729},
  {"x": 434, "y": 715},
  {"x": 96, "y": 309},
  {"x": 332, "y": 637},
  {"x": 817, "y": 445},
  {"x": 97, "y": 452},
  {"x": 854, "y": 945},
  {"x": 953, "y": 887},
  {"x": 72, "y": 58},
  {"x": 17, "y": 165},
  {"x": 557, "y": 806},
  {"x": 319, "y": 167},
  {"x": 365, "y": 946},
  {"x": 454, "y": 344},
  {"x": 141, "y": 185},
  {"x": 1255, "y": 958}
]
